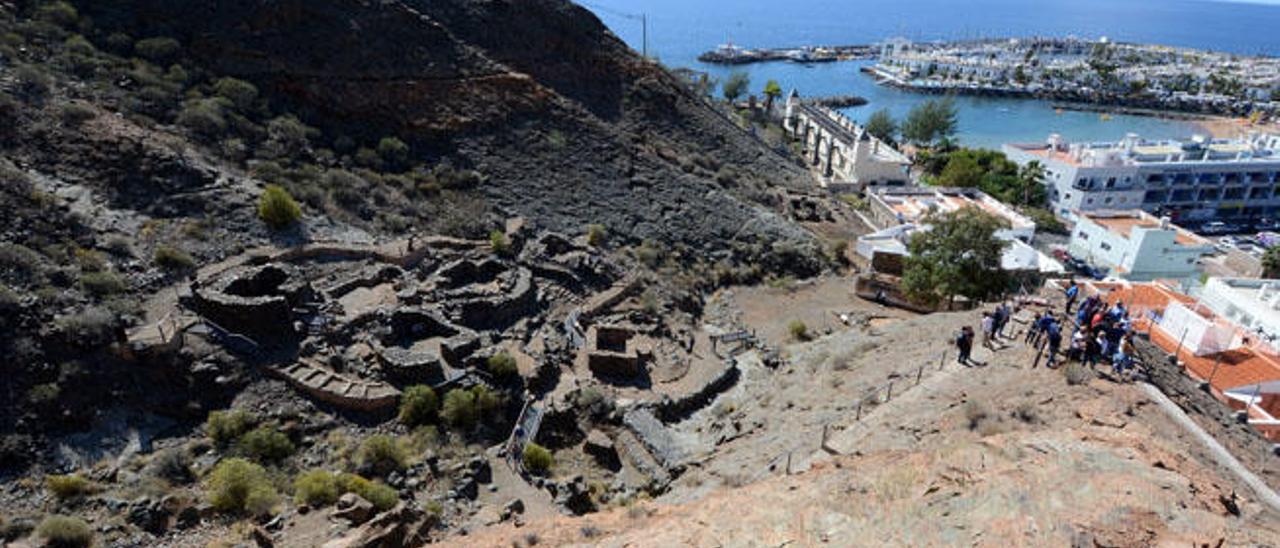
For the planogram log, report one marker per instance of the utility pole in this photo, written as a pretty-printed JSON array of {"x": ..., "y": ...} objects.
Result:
[
  {"x": 644, "y": 32},
  {"x": 642, "y": 17}
]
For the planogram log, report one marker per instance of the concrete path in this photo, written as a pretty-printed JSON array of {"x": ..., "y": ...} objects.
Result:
[{"x": 1220, "y": 453}]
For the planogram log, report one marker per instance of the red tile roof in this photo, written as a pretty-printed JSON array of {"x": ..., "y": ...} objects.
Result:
[{"x": 1235, "y": 368}]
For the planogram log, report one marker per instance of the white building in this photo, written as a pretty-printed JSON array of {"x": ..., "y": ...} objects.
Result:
[
  {"x": 895, "y": 206},
  {"x": 1137, "y": 246},
  {"x": 846, "y": 155},
  {"x": 1191, "y": 181},
  {"x": 904, "y": 211},
  {"x": 1252, "y": 304}
]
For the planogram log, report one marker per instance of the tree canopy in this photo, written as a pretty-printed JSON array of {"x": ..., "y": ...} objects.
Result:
[
  {"x": 1271, "y": 263},
  {"x": 772, "y": 91},
  {"x": 959, "y": 256},
  {"x": 931, "y": 122},
  {"x": 881, "y": 125},
  {"x": 989, "y": 171},
  {"x": 735, "y": 85}
]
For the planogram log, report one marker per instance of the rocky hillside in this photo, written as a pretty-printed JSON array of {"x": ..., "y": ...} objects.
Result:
[
  {"x": 568, "y": 125},
  {"x": 138, "y": 135}
]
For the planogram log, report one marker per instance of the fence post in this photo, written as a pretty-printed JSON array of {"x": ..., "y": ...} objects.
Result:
[
  {"x": 919, "y": 374},
  {"x": 942, "y": 360},
  {"x": 858, "y": 417},
  {"x": 1180, "y": 339},
  {"x": 1216, "y": 362},
  {"x": 888, "y": 395}
]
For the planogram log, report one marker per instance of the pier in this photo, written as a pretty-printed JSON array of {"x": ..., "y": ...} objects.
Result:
[{"x": 730, "y": 54}]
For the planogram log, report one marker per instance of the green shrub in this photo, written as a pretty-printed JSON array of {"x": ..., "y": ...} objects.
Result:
[
  {"x": 499, "y": 242},
  {"x": 277, "y": 208},
  {"x": 33, "y": 83},
  {"x": 224, "y": 427},
  {"x": 464, "y": 408},
  {"x": 316, "y": 488},
  {"x": 419, "y": 405},
  {"x": 287, "y": 137},
  {"x": 172, "y": 465},
  {"x": 369, "y": 158},
  {"x": 120, "y": 43},
  {"x": 65, "y": 532},
  {"x": 59, "y": 13},
  {"x": 537, "y": 459},
  {"x": 92, "y": 327},
  {"x": 240, "y": 93},
  {"x": 237, "y": 486},
  {"x": 79, "y": 46},
  {"x": 382, "y": 496},
  {"x": 177, "y": 74},
  {"x": 41, "y": 394},
  {"x": 381, "y": 455},
  {"x": 172, "y": 258},
  {"x": 1046, "y": 221},
  {"x": 102, "y": 284},
  {"x": 799, "y": 331},
  {"x": 459, "y": 408},
  {"x": 265, "y": 444},
  {"x": 394, "y": 152},
  {"x": 502, "y": 365},
  {"x": 68, "y": 486},
  {"x": 76, "y": 113},
  {"x": 595, "y": 235},
  {"x": 160, "y": 50},
  {"x": 487, "y": 402},
  {"x": 204, "y": 117}
]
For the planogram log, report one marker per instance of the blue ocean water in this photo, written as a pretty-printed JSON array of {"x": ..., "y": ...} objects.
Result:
[{"x": 678, "y": 30}]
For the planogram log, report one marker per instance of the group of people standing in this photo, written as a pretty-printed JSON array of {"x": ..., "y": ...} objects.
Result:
[
  {"x": 1103, "y": 335},
  {"x": 1100, "y": 334},
  {"x": 993, "y": 329}
]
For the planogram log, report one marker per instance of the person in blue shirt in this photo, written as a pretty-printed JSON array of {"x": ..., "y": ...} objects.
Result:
[
  {"x": 1054, "y": 333},
  {"x": 1073, "y": 291}
]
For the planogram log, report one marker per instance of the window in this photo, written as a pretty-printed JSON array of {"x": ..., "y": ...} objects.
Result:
[
  {"x": 1082, "y": 235},
  {"x": 1105, "y": 246},
  {"x": 1107, "y": 201}
]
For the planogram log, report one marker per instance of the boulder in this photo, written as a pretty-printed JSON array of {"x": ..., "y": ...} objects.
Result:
[
  {"x": 353, "y": 508},
  {"x": 600, "y": 446},
  {"x": 480, "y": 469},
  {"x": 399, "y": 526}
]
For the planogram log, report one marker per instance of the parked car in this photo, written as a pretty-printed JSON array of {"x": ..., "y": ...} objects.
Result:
[
  {"x": 1265, "y": 225},
  {"x": 1214, "y": 228}
]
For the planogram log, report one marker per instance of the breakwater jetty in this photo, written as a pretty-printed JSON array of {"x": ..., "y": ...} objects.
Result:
[{"x": 730, "y": 54}]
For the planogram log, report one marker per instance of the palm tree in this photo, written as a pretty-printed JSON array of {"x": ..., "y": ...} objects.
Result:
[
  {"x": 1030, "y": 177},
  {"x": 772, "y": 91}
]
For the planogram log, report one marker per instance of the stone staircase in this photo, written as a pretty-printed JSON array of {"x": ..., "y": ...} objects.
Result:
[{"x": 332, "y": 387}]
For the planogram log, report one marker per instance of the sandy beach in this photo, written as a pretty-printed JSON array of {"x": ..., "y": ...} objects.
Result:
[{"x": 1226, "y": 126}]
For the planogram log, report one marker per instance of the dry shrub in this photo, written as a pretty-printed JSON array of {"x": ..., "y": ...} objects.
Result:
[{"x": 1077, "y": 373}]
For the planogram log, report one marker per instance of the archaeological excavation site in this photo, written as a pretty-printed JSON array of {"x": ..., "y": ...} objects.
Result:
[
  {"x": 495, "y": 273},
  {"x": 568, "y": 346}
]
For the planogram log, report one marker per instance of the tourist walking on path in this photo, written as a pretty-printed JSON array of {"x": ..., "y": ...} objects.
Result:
[
  {"x": 1073, "y": 291},
  {"x": 1000, "y": 320},
  {"x": 964, "y": 344},
  {"x": 988, "y": 331},
  {"x": 1054, "y": 335}
]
